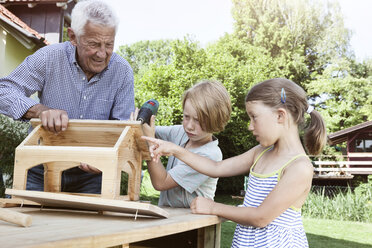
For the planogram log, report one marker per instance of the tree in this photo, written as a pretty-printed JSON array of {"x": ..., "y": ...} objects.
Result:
[
  {"x": 236, "y": 64},
  {"x": 343, "y": 96},
  {"x": 166, "y": 76},
  {"x": 308, "y": 41},
  {"x": 144, "y": 53},
  {"x": 302, "y": 36},
  {"x": 12, "y": 133}
]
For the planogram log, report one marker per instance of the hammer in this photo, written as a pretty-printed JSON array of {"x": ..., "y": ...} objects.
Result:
[{"x": 15, "y": 217}]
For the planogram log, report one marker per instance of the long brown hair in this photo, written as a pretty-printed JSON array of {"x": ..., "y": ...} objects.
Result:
[{"x": 283, "y": 93}]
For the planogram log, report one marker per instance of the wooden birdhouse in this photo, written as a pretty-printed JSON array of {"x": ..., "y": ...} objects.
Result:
[{"x": 110, "y": 146}]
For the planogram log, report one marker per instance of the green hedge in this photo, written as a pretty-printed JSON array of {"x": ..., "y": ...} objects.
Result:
[
  {"x": 346, "y": 205},
  {"x": 165, "y": 69},
  {"x": 12, "y": 133}
]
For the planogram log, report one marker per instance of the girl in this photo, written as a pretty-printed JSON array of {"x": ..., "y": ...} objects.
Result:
[
  {"x": 206, "y": 110},
  {"x": 280, "y": 172}
]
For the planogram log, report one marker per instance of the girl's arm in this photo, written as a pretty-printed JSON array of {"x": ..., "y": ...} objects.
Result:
[
  {"x": 225, "y": 168},
  {"x": 160, "y": 178},
  {"x": 248, "y": 216},
  {"x": 291, "y": 190}
]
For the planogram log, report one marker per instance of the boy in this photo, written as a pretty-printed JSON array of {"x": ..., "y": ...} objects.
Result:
[{"x": 206, "y": 110}]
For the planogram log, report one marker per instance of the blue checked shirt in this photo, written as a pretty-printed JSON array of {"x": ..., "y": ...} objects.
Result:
[{"x": 54, "y": 73}]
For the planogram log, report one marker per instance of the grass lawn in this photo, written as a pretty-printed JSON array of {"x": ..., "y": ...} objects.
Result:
[
  {"x": 340, "y": 234},
  {"x": 320, "y": 233}
]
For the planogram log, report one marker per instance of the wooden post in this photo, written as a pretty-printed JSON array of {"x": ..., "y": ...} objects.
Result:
[{"x": 209, "y": 237}]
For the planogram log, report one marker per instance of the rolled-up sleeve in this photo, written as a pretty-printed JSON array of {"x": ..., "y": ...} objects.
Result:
[{"x": 16, "y": 88}]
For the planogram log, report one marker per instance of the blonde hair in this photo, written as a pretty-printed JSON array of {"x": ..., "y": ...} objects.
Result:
[
  {"x": 294, "y": 100},
  {"x": 212, "y": 104}
]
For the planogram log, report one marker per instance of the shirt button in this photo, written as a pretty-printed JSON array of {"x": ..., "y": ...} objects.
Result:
[
  {"x": 85, "y": 97},
  {"x": 81, "y": 116},
  {"x": 83, "y": 78}
]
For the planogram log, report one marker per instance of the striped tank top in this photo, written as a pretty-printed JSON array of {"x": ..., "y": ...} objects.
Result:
[{"x": 285, "y": 231}]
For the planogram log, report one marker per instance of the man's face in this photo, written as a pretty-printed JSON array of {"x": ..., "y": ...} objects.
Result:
[{"x": 94, "y": 48}]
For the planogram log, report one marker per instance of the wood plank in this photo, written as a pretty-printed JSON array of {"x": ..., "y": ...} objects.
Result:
[
  {"x": 346, "y": 163},
  {"x": 207, "y": 237},
  {"x": 104, "y": 126},
  {"x": 360, "y": 154},
  {"x": 89, "y": 203},
  {"x": 93, "y": 123},
  {"x": 344, "y": 169},
  {"x": 53, "y": 23},
  {"x": 81, "y": 137},
  {"x": 60, "y": 228},
  {"x": 32, "y": 138},
  {"x": 340, "y": 177},
  {"x": 38, "y": 20},
  {"x": 218, "y": 236},
  {"x": 16, "y": 202}
]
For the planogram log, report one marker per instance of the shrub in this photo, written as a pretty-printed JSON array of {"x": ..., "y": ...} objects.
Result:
[
  {"x": 342, "y": 205},
  {"x": 166, "y": 69},
  {"x": 12, "y": 133}
]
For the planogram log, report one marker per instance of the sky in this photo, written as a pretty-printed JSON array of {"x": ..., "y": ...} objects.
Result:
[{"x": 207, "y": 20}]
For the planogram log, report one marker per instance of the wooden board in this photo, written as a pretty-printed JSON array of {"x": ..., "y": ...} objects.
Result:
[
  {"x": 89, "y": 203},
  {"x": 342, "y": 163},
  {"x": 16, "y": 202},
  {"x": 86, "y": 229},
  {"x": 111, "y": 127}
]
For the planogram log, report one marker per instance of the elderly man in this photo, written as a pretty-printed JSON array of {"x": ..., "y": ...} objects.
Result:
[{"x": 79, "y": 79}]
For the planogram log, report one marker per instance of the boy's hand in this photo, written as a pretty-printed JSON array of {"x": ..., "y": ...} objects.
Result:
[
  {"x": 149, "y": 131},
  {"x": 201, "y": 205},
  {"x": 133, "y": 115},
  {"x": 160, "y": 148}
]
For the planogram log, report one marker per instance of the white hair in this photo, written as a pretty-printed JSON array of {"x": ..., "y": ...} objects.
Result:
[{"x": 94, "y": 11}]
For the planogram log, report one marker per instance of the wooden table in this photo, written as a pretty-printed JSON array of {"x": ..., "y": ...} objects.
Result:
[{"x": 69, "y": 228}]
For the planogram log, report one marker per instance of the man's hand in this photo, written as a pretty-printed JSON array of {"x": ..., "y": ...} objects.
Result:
[
  {"x": 54, "y": 120},
  {"x": 88, "y": 168}
]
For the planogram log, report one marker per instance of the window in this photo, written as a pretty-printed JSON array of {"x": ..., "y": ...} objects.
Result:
[
  {"x": 368, "y": 145},
  {"x": 362, "y": 145}
]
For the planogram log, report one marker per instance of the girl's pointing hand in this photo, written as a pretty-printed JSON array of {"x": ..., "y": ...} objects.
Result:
[{"x": 159, "y": 148}]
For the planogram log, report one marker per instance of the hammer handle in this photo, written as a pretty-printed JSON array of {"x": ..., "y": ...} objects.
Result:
[{"x": 15, "y": 217}]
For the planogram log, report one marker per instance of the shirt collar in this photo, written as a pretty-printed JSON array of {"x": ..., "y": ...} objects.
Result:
[
  {"x": 214, "y": 142},
  {"x": 71, "y": 53}
]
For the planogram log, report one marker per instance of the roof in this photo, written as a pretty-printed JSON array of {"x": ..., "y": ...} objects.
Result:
[
  {"x": 14, "y": 22},
  {"x": 341, "y": 136},
  {"x": 32, "y": 1}
]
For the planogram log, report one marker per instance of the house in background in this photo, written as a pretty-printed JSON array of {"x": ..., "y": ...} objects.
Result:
[
  {"x": 356, "y": 159},
  {"x": 26, "y": 25},
  {"x": 358, "y": 141}
]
